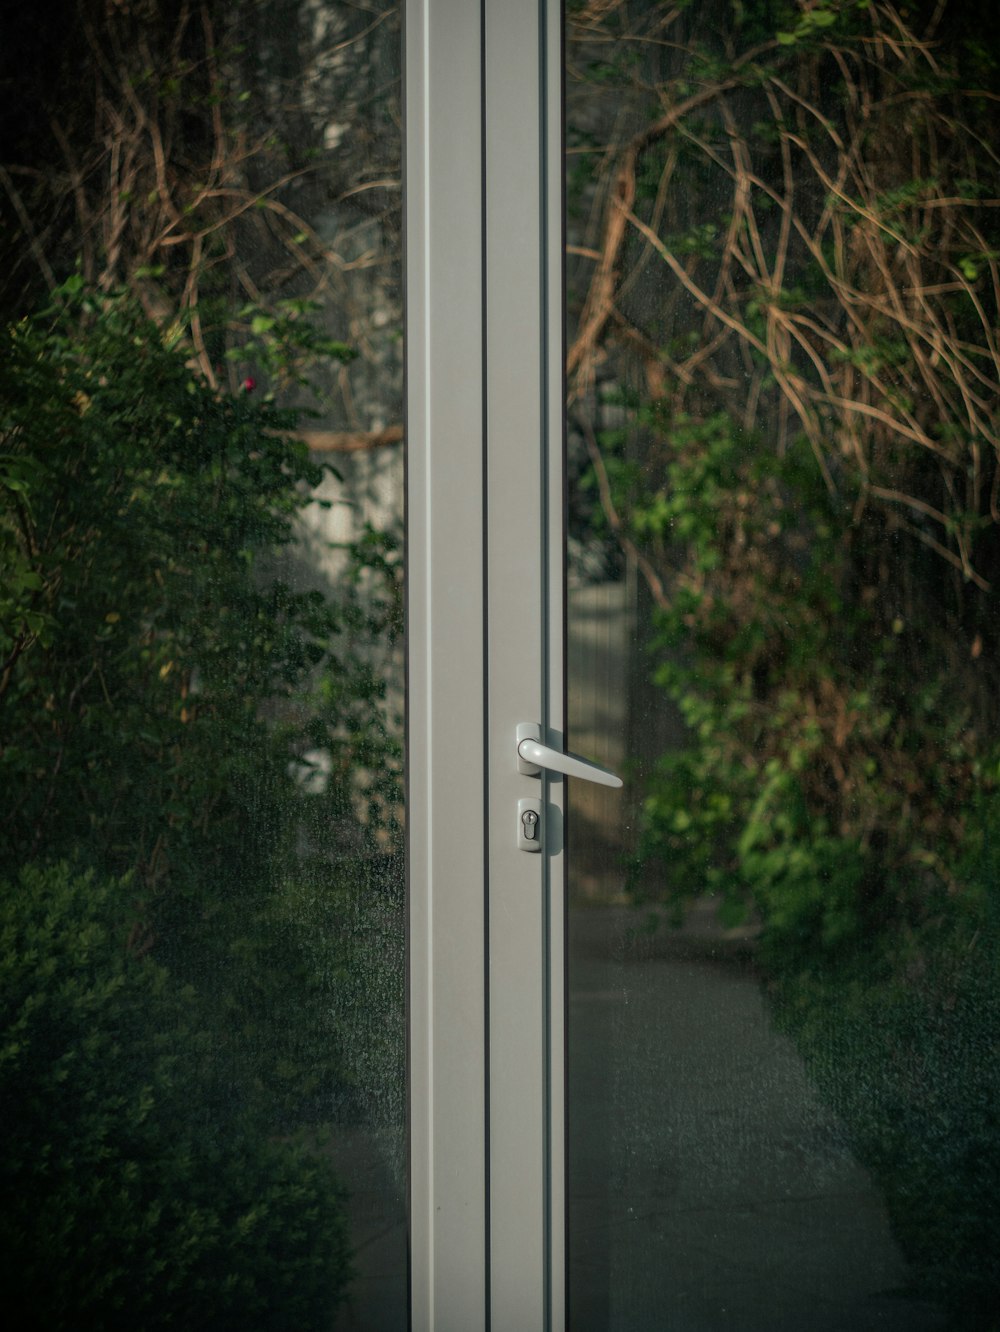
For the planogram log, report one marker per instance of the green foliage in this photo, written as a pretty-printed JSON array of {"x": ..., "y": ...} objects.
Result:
[
  {"x": 819, "y": 19},
  {"x": 162, "y": 671},
  {"x": 285, "y": 343},
  {"x": 187, "y": 709},
  {"x": 809, "y": 495},
  {"x": 903, "y": 1045},
  {"x": 824, "y": 788},
  {"x": 138, "y": 1191}
]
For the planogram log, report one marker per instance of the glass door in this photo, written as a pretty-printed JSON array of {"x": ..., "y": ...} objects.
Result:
[
  {"x": 202, "y": 916},
  {"x": 782, "y": 553}
]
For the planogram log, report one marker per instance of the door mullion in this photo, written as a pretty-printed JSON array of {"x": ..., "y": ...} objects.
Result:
[
  {"x": 514, "y": 615},
  {"x": 445, "y": 614},
  {"x": 523, "y": 300}
]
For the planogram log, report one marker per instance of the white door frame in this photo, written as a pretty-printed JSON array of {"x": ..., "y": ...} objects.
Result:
[{"x": 485, "y": 612}]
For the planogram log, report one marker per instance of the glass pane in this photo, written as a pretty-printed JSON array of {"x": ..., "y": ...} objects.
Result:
[
  {"x": 783, "y": 392},
  {"x": 203, "y": 950}
]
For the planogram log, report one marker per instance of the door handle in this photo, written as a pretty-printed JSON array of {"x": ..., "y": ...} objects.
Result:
[{"x": 533, "y": 756}]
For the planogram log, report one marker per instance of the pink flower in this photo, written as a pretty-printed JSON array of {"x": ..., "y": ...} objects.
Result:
[{"x": 249, "y": 384}]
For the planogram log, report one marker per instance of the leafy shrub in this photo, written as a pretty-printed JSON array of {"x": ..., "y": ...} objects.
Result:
[
  {"x": 159, "y": 671},
  {"x": 137, "y": 1190},
  {"x": 837, "y": 736},
  {"x": 162, "y": 679},
  {"x": 168, "y": 674},
  {"x": 905, "y": 1050}
]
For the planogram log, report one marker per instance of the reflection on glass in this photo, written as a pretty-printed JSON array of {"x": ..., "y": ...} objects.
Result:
[
  {"x": 201, "y": 1067},
  {"x": 783, "y": 546}
]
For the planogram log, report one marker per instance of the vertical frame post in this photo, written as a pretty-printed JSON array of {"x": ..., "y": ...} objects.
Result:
[
  {"x": 445, "y": 635},
  {"x": 485, "y": 597},
  {"x": 524, "y": 378}
]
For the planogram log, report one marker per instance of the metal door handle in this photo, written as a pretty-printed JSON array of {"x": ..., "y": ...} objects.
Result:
[{"x": 532, "y": 756}]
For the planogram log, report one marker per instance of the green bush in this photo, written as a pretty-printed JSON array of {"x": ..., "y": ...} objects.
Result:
[
  {"x": 178, "y": 1004},
  {"x": 166, "y": 669},
  {"x": 138, "y": 1191},
  {"x": 905, "y": 1050},
  {"x": 162, "y": 666},
  {"x": 839, "y": 729}
]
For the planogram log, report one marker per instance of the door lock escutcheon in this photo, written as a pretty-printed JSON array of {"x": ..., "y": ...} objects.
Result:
[{"x": 529, "y": 825}]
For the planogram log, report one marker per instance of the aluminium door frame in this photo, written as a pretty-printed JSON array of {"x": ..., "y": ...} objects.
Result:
[{"x": 485, "y": 355}]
